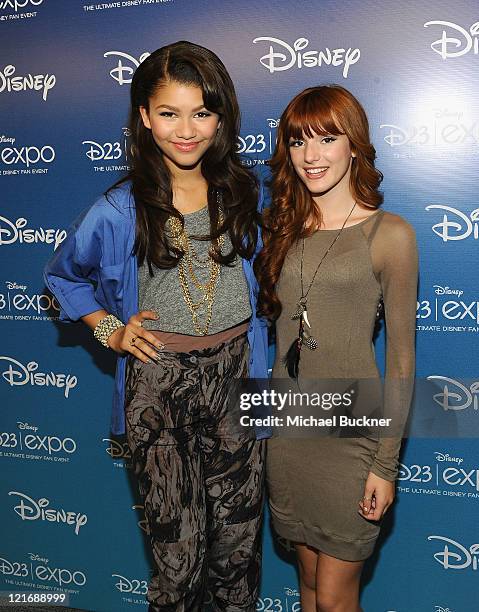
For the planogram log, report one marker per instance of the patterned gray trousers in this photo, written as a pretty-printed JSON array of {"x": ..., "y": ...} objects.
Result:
[{"x": 200, "y": 477}]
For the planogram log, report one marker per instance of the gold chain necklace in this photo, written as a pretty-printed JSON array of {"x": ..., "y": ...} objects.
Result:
[{"x": 183, "y": 243}]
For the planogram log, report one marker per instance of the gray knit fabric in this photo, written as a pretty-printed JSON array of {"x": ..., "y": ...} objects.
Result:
[{"x": 163, "y": 293}]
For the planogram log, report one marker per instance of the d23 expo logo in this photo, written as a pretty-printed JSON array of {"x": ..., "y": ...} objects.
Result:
[
  {"x": 443, "y": 131},
  {"x": 19, "y": 305},
  {"x": 132, "y": 586},
  {"x": 447, "y": 476},
  {"x": 114, "y": 152},
  {"x": 40, "y": 570},
  {"x": 26, "y": 157},
  {"x": 289, "y": 603},
  {"x": 258, "y": 143},
  {"x": 48, "y": 447},
  {"x": 447, "y": 309},
  {"x": 455, "y": 224},
  {"x": 119, "y": 451},
  {"x": 18, "y": 5},
  {"x": 454, "y": 555},
  {"x": 455, "y": 40}
]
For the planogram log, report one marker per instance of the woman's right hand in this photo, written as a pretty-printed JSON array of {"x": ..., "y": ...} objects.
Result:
[{"x": 132, "y": 338}]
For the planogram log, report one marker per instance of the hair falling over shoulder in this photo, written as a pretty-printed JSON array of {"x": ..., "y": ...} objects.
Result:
[
  {"x": 229, "y": 182},
  {"x": 327, "y": 109}
]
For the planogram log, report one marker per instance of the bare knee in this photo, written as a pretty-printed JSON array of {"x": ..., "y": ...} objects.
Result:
[
  {"x": 327, "y": 602},
  {"x": 335, "y": 602}
]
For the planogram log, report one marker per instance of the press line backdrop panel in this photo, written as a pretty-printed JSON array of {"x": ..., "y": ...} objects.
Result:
[{"x": 70, "y": 517}]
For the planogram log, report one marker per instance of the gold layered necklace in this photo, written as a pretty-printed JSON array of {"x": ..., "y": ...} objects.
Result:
[{"x": 186, "y": 273}]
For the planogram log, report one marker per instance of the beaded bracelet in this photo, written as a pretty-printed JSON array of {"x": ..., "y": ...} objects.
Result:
[{"x": 106, "y": 327}]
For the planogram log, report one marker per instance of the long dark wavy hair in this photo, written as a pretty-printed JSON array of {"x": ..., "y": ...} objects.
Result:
[
  {"x": 327, "y": 109},
  {"x": 230, "y": 184}
]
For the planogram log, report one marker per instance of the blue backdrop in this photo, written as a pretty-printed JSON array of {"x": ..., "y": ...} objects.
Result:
[{"x": 69, "y": 513}]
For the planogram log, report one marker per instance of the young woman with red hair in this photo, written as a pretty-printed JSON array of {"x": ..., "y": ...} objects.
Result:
[{"x": 330, "y": 258}]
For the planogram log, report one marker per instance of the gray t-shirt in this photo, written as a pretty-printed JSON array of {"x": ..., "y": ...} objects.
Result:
[{"x": 163, "y": 293}]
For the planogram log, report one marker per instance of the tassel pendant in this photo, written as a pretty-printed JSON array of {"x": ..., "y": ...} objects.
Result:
[
  {"x": 291, "y": 359},
  {"x": 293, "y": 356}
]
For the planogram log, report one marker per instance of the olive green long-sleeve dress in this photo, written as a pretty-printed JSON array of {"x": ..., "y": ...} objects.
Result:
[{"x": 315, "y": 484}]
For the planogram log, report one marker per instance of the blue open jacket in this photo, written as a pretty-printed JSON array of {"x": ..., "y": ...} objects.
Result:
[{"x": 94, "y": 269}]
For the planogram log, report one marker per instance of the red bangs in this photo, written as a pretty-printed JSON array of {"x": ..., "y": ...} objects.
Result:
[{"x": 309, "y": 114}]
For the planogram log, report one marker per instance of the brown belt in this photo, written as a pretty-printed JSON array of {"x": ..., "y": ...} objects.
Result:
[{"x": 183, "y": 343}]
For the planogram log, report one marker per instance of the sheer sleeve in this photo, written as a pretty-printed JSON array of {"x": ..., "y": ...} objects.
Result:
[{"x": 395, "y": 262}]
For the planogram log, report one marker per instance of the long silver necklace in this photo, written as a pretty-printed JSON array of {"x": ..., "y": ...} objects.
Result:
[{"x": 291, "y": 359}]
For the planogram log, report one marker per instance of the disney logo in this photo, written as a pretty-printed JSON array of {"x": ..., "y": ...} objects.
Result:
[
  {"x": 445, "y": 112},
  {"x": 30, "y": 510},
  {"x": 441, "y": 609},
  {"x": 18, "y": 374},
  {"x": 11, "y": 285},
  {"x": 35, "y": 557},
  {"x": 291, "y": 592},
  {"x": 447, "y": 457},
  {"x": 287, "y": 57},
  {"x": 4, "y": 139},
  {"x": 37, "y": 82},
  {"x": 462, "y": 228},
  {"x": 460, "y": 558},
  {"x": 26, "y": 426},
  {"x": 273, "y": 123},
  {"x": 16, "y": 231},
  {"x": 451, "y": 46},
  {"x": 447, "y": 291},
  {"x": 122, "y": 74},
  {"x": 450, "y": 400}
]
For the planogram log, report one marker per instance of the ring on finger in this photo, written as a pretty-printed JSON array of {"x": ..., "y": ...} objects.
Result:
[{"x": 133, "y": 340}]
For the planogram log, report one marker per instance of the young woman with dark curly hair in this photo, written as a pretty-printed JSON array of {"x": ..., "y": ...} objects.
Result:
[
  {"x": 330, "y": 254},
  {"x": 161, "y": 269}
]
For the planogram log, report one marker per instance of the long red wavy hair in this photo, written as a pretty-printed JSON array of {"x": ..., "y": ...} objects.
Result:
[{"x": 327, "y": 109}]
